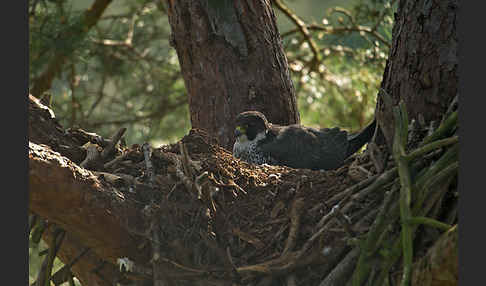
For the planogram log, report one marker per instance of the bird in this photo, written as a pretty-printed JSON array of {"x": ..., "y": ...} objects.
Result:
[{"x": 261, "y": 142}]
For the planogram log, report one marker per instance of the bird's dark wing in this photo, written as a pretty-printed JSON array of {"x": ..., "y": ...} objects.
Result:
[
  {"x": 333, "y": 144},
  {"x": 357, "y": 140},
  {"x": 301, "y": 147}
]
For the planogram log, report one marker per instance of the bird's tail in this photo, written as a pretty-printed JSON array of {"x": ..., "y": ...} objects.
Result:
[{"x": 357, "y": 140}]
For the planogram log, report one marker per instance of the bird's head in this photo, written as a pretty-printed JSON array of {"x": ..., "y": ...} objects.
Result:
[{"x": 250, "y": 125}]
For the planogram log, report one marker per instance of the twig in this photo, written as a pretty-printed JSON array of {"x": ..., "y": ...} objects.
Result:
[
  {"x": 64, "y": 274},
  {"x": 85, "y": 136},
  {"x": 159, "y": 113},
  {"x": 426, "y": 181},
  {"x": 343, "y": 29},
  {"x": 327, "y": 217},
  {"x": 92, "y": 156},
  {"x": 295, "y": 212},
  {"x": 108, "y": 150},
  {"x": 278, "y": 266},
  {"x": 111, "y": 178},
  {"x": 232, "y": 263},
  {"x": 174, "y": 159},
  {"x": 341, "y": 272},
  {"x": 377, "y": 156},
  {"x": 450, "y": 109},
  {"x": 430, "y": 222},
  {"x": 222, "y": 254},
  {"x": 321, "y": 226},
  {"x": 32, "y": 222},
  {"x": 148, "y": 163},
  {"x": 39, "y": 229},
  {"x": 351, "y": 190},
  {"x": 32, "y": 8},
  {"x": 116, "y": 160},
  {"x": 363, "y": 264},
  {"x": 383, "y": 179},
  {"x": 451, "y": 216},
  {"x": 432, "y": 146},
  {"x": 443, "y": 129},
  {"x": 345, "y": 222},
  {"x": 186, "y": 171},
  {"x": 101, "y": 95},
  {"x": 44, "y": 276},
  {"x": 172, "y": 190},
  {"x": 74, "y": 104},
  {"x": 445, "y": 166},
  {"x": 185, "y": 160},
  {"x": 399, "y": 145},
  {"x": 392, "y": 257},
  {"x": 344, "y": 12},
  {"x": 127, "y": 42},
  {"x": 302, "y": 28}
]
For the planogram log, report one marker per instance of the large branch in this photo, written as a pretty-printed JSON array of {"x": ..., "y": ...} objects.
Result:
[
  {"x": 94, "y": 214},
  {"x": 77, "y": 201}
]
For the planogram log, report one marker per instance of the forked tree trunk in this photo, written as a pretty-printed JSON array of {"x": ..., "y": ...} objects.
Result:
[
  {"x": 422, "y": 65},
  {"x": 232, "y": 60}
]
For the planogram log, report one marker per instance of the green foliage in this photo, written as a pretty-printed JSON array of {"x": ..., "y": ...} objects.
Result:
[
  {"x": 36, "y": 257},
  {"x": 354, "y": 42},
  {"x": 123, "y": 73}
]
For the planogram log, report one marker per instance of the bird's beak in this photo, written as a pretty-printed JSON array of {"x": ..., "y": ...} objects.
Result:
[{"x": 239, "y": 131}]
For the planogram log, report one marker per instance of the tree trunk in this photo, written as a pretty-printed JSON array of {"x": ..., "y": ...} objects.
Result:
[
  {"x": 422, "y": 66},
  {"x": 232, "y": 60}
]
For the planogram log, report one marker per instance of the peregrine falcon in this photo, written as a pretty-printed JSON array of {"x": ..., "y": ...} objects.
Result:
[{"x": 260, "y": 142}]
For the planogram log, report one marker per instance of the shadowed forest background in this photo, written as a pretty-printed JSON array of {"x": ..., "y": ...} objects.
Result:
[{"x": 123, "y": 72}]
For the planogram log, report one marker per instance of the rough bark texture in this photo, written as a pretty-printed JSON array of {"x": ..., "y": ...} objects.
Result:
[
  {"x": 232, "y": 60},
  {"x": 422, "y": 65},
  {"x": 440, "y": 266},
  {"x": 93, "y": 214}
]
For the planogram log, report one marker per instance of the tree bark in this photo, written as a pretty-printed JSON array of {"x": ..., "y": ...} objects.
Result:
[
  {"x": 93, "y": 214},
  {"x": 422, "y": 66},
  {"x": 232, "y": 60},
  {"x": 440, "y": 265}
]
